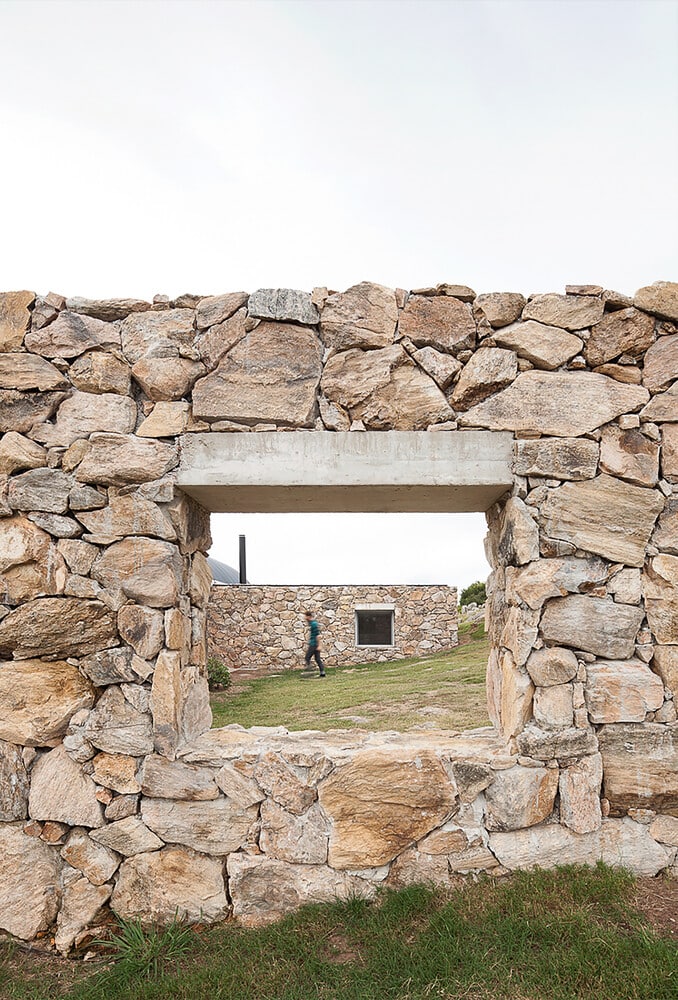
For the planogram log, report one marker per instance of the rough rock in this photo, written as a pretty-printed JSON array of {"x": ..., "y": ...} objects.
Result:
[
  {"x": 547, "y": 347},
  {"x": 14, "y": 318},
  {"x": 565, "y": 744},
  {"x": 665, "y": 830},
  {"x": 625, "y": 331},
  {"x": 14, "y": 782},
  {"x": 85, "y": 498},
  {"x": 281, "y": 783},
  {"x": 62, "y": 792},
  {"x": 640, "y": 767},
  {"x": 29, "y": 562},
  {"x": 625, "y": 585},
  {"x": 629, "y": 455},
  {"x": 60, "y": 527},
  {"x": 487, "y": 371},
  {"x": 115, "y": 726},
  {"x": 157, "y": 334},
  {"x": 166, "y": 779},
  {"x": 551, "y": 665},
  {"x": 40, "y": 489},
  {"x": 660, "y": 590},
  {"x": 297, "y": 839},
  {"x": 39, "y": 698},
  {"x": 80, "y": 903},
  {"x": 118, "y": 459},
  {"x": 380, "y": 802},
  {"x": 142, "y": 628},
  {"x": 127, "y": 515},
  {"x": 513, "y": 696},
  {"x": 514, "y": 535},
  {"x": 471, "y": 778},
  {"x": 562, "y": 404},
  {"x": 29, "y": 883},
  {"x": 117, "y": 771},
  {"x": 167, "y": 378},
  {"x": 97, "y": 863},
  {"x": 216, "y": 309},
  {"x": 168, "y": 419},
  {"x": 192, "y": 524},
  {"x": 98, "y": 372},
  {"x": 219, "y": 339},
  {"x": 78, "y": 555},
  {"x": 501, "y": 308},
  {"x": 270, "y": 375},
  {"x": 19, "y": 411},
  {"x": 603, "y": 515},
  {"x": 161, "y": 886},
  {"x": 57, "y": 626},
  {"x": 143, "y": 569},
  {"x": 622, "y": 691},
  {"x": 106, "y": 309},
  {"x": 121, "y": 807},
  {"x": 242, "y": 790},
  {"x": 166, "y": 702},
  {"x": 264, "y": 889},
  {"x": 660, "y": 298},
  {"x": 128, "y": 837},
  {"x": 72, "y": 334},
  {"x": 520, "y": 633},
  {"x": 660, "y": 368},
  {"x": 365, "y": 315},
  {"x": 553, "y": 707},
  {"x": 441, "y": 322},
  {"x": 520, "y": 796},
  {"x": 544, "y": 578},
  {"x": 630, "y": 374},
  {"x": 665, "y": 536},
  {"x": 665, "y": 663},
  {"x": 579, "y": 789},
  {"x": 215, "y": 827},
  {"x": 572, "y": 312},
  {"x": 26, "y": 371},
  {"x": 442, "y": 368},
  {"x": 283, "y": 305},
  {"x": 662, "y": 407},
  {"x": 670, "y": 451},
  {"x": 593, "y": 624},
  {"x": 85, "y": 413},
  {"x": 18, "y": 452}
]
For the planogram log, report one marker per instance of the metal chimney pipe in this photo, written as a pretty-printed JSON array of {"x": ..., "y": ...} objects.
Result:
[{"x": 242, "y": 577}]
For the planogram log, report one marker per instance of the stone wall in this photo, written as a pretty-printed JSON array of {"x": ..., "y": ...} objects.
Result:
[
  {"x": 264, "y": 627},
  {"x": 114, "y": 789}
]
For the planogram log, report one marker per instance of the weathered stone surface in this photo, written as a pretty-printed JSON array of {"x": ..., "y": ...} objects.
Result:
[
  {"x": 30, "y": 564},
  {"x": 116, "y": 726},
  {"x": 29, "y": 883},
  {"x": 19, "y": 411},
  {"x": 168, "y": 419},
  {"x": 157, "y": 334},
  {"x": 110, "y": 666},
  {"x": 630, "y": 374},
  {"x": 106, "y": 309},
  {"x": 242, "y": 790},
  {"x": 72, "y": 334},
  {"x": 579, "y": 789},
  {"x": 284, "y": 305},
  {"x": 265, "y": 889},
  {"x": 14, "y": 318},
  {"x": 552, "y": 665},
  {"x": 440, "y": 321},
  {"x": 166, "y": 702},
  {"x": 191, "y": 522},
  {"x": 553, "y": 707},
  {"x": 62, "y": 792},
  {"x": 592, "y": 623},
  {"x": 660, "y": 590},
  {"x": 382, "y": 801},
  {"x": 158, "y": 887},
  {"x": 85, "y": 413},
  {"x": 625, "y": 585},
  {"x": 85, "y": 497},
  {"x": 270, "y": 375},
  {"x": 514, "y": 535},
  {"x": 97, "y": 863},
  {"x": 573, "y": 312},
  {"x": 99, "y": 371},
  {"x": 167, "y": 378},
  {"x": 513, "y": 696},
  {"x": 501, "y": 308},
  {"x": 142, "y": 628},
  {"x": 365, "y": 315},
  {"x": 562, "y": 404},
  {"x": 471, "y": 778},
  {"x": 166, "y": 779},
  {"x": 603, "y": 515},
  {"x": 117, "y": 771},
  {"x": 665, "y": 663},
  {"x": 441, "y": 367},
  {"x": 544, "y": 578},
  {"x": 625, "y": 331},
  {"x": 520, "y": 796},
  {"x": 665, "y": 830},
  {"x": 60, "y": 527},
  {"x": 14, "y": 782},
  {"x": 128, "y": 837},
  {"x": 57, "y": 626},
  {"x": 40, "y": 489},
  {"x": 520, "y": 632},
  {"x": 617, "y": 843},
  {"x": 127, "y": 515},
  {"x": 216, "y": 309},
  {"x": 384, "y": 389},
  {"x": 196, "y": 714},
  {"x": 78, "y": 555},
  {"x": 663, "y": 407},
  {"x": 26, "y": 371},
  {"x": 629, "y": 455},
  {"x": 217, "y": 827},
  {"x": 80, "y": 903},
  {"x": 640, "y": 767},
  {"x": 547, "y": 347},
  {"x": 18, "y": 452},
  {"x": 121, "y": 807},
  {"x": 487, "y": 371},
  {"x": 281, "y": 783},
  {"x": 219, "y": 339},
  {"x": 670, "y": 451},
  {"x": 118, "y": 459},
  {"x": 621, "y": 691},
  {"x": 39, "y": 698},
  {"x": 142, "y": 569},
  {"x": 660, "y": 298},
  {"x": 565, "y": 744},
  {"x": 660, "y": 368},
  {"x": 297, "y": 839},
  {"x": 665, "y": 536}
]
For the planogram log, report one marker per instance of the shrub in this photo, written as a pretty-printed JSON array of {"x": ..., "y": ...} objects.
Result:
[
  {"x": 218, "y": 675},
  {"x": 473, "y": 594}
]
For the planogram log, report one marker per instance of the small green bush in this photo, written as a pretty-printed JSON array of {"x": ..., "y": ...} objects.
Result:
[
  {"x": 144, "y": 951},
  {"x": 218, "y": 675},
  {"x": 473, "y": 594}
]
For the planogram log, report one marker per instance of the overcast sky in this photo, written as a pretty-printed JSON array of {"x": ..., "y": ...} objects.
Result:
[{"x": 209, "y": 147}]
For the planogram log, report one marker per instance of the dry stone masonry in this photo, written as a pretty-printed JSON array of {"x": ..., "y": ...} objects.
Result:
[{"x": 115, "y": 792}]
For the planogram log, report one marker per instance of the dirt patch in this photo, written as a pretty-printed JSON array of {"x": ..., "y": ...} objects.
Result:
[{"x": 657, "y": 899}]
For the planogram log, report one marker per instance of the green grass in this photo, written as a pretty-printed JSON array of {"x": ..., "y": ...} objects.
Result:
[
  {"x": 564, "y": 935},
  {"x": 446, "y": 691}
]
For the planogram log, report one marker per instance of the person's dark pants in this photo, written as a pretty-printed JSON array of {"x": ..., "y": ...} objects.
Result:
[{"x": 313, "y": 653}]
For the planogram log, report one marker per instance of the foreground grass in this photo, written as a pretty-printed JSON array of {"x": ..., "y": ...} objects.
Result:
[
  {"x": 446, "y": 691},
  {"x": 565, "y": 934}
]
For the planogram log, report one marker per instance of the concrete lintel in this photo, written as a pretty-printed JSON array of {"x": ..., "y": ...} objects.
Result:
[{"x": 353, "y": 471}]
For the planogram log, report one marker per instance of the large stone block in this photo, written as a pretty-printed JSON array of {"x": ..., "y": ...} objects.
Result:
[
  {"x": 29, "y": 883},
  {"x": 62, "y": 792},
  {"x": 593, "y": 624},
  {"x": 116, "y": 726},
  {"x": 26, "y": 371},
  {"x": 166, "y": 779},
  {"x": 660, "y": 298},
  {"x": 14, "y": 318},
  {"x": 438, "y": 321},
  {"x": 39, "y": 698},
  {"x": 629, "y": 455},
  {"x": 520, "y": 797},
  {"x": 119, "y": 459},
  {"x": 621, "y": 691},
  {"x": 544, "y": 578},
  {"x": 72, "y": 334},
  {"x": 660, "y": 368},
  {"x": 500, "y": 308},
  {"x": 30, "y": 564},
  {"x": 40, "y": 489},
  {"x": 362, "y": 316},
  {"x": 297, "y": 839},
  {"x": 127, "y": 515},
  {"x": 18, "y": 452},
  {"x": 625, "y": 331},
  {"x": 216, "y": 827},
  {"x": 19, "y": 411},
  {"x": 551, "y": 666},
  {"x": 514, "y": 535},
  {"x": 579, "y": 789},
  {"x": 97, "y": 863},
  {"x": 486, "y": 372},
  {"x": 659, "y": 583},
  {"x": 547, "y": 347},
  {"x": 665, "y": 663},
  {"x": 160, "y": 886},
  {"x": 573, "y": 312},
  {"x": 284, "y": 305},
  {"x": 100, "y": 372},
  {"x": 81, "y": 902},
  {"x": 157, "y": 334},
  {"x": 57, "y": 626},
  {"x": 143, "y": 569},
  {"x": 85, "y": 413},
  {"x": 216, "y": 309},
  {"x": 167, "y": 378},
  {"x": 640, "y": 767}
]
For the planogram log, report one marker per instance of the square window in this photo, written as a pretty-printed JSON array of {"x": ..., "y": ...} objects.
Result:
[{"x": 374, "y": 628}]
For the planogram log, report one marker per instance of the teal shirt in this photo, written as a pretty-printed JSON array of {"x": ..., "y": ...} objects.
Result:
[{"x": 313, "y": 635}]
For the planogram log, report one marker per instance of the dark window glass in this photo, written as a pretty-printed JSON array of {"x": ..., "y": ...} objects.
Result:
[{"x": 375, "y": 628}]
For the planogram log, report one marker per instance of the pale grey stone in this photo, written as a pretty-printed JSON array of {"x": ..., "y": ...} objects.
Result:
[
  {"x": 14, "y": 783},
  {"x": 57, "y": 626},
  {"x": 127, "y": 837},
  {"x": 119, "y": 459},
  {"x": 40, "y": 489},
  {"x": 62, "y": 792},
  {"x": 283, "y": 304},
  {"x": 166, "y": 779},
  {"x": 71, "y": 334},
  {"x": 80, "y": 903},
  {"x": 29, "y": 883},
  {"x": 622, "y": 691},
  {"x": 593, "y": 624},
  {"x": 640, "y": 766},
  {"x": 217, "y": 827},
  {"x": 520, "y": 797},
  {"x": 174, "y": 882},
  {"x": 572, "y": 312},
  {"x": 106, "y": 309},
  {"x": 117, "y": 727}
]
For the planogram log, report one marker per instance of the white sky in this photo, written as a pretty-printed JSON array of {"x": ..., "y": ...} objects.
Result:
[{"x": 208, "y": 147}]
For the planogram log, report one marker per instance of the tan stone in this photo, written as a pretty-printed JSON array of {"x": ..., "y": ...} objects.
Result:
[
  {"x": 663, "y": 407},
  {"x": 449, "y": 839},
  {"x": 625, "y": 331},
  {"x": 159, "y": 887},
  {"x": 29, "y": 883},
  {"x": 622, "y": 691},
  {"x": 665, "y": 536},
  {"x": 660, "y": 590},
  {"x": 166, "y": 702},
  {"x": 501, "y": 308},
  {"x": 119, "y": 459},
  {"x": 116, "y": 727},
  {"x": 660, "y": 368},
  {"x": 14, "y": 782},
  {"x": 546, "y": 347},
  {"x": 121, "y": 807},
  {"x": 167, "y": 378},
  {"x": 26, "y": 371},
  {"x": 640, "y": 767},
  {"x": 573, "y": 312},
  {"x": 297, "y": 839},
  {"x": 665, "y": 663},
  {"x": 242, "y": 790},
  {"x": 216, "y": 309},
  {"x": 39, "y": 698},
  {"x": 80, "y": 903},
  {"x": 216, "y": 827},
  {"x": 604, "y": 516},
  {"x": 143, "y": 570},
  {"x": 29, "y": 562},
  {"x": 18, "y": 453},
  {"x": 625, "y": 585},
  {"x": 670, "y": 451},
  {"x": 127, "y": 515},
  {"x": 117, "y": 771},
  {"x": 552, "y": 666},
  {"x": 579, "y": 789},
  {"x": 365, "y": 315},
  {"x": 665, "y": 830},
  {"x": 14, "y": 318},
  {"x": 20, "y": 411},
  {"x": 281, "y": 783},
  {"x": 107, "y": 309},
  {"x": 157, "y": 334},
  {"x": 191, "y": 522},
  {"x": 166, "y": 779},
  {"x": 177, "y": 629},
  {"x": 57, "y": 626},
  {"x": 219, "y": 339},
  {"x": 487, "y": 371},
  {"x": 594, "y": 624},
  {"x": 629, "y": 374},
  {"x": 200, "y": 581},
  {"x": 441, "y": 322},
  {"x": 514, "y": 535},
  {"x": 629, "y": 455},
  {"x": 100, "y": 372},
  {"x": 72, "y": 334},
  {"x": 168, "y": 419},
  {"x": 283, "y": 304},
  {"x": 60, "y": 791},
  {"x": 565, "y": 744},
  {"x": 110, "y": 666},
  {"x": 660, "y": 298},
  {"x": 442, "y": 368},
  {"x": 544, "y": 578},
  {"x": 514, "y": 697},
  {"x": 270, "y": 375},
  {"x": 128, "y": 837},
  {"x": 380, "y": 802},
  {"x": 86, "y": 413},
  {"x": 520, "y": 633},
  {"x": 142, "y": 629},
  {"x": 562, "y": 404},
  {"x": 520, "y": 797},
  {"x": 196, "y": 714},
  {"x": 97, "y": 863},
  {"x": 553, "y": 707}
]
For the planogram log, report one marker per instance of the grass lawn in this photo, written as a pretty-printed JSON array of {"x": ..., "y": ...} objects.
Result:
[
  {"x": 446, "y": 691},
  {"x": 569, "y": 934}
]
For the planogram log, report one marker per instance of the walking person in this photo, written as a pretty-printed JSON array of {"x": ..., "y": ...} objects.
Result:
[{"x": 313, "y": 648}]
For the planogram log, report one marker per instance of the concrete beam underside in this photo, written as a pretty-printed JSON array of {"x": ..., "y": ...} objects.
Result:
[{"x": 360, "y": 471}]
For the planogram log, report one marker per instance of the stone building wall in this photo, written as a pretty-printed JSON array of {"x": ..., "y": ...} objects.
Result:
[
  {"x": 113, "y": 788},
  {"x": 264, "y": 626}
]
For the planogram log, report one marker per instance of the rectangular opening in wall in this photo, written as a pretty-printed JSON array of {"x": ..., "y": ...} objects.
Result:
[{"x": 374, "y": 626}]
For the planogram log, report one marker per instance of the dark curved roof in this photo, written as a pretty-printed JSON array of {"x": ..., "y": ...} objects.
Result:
[{"x": 221, "y": 573}]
